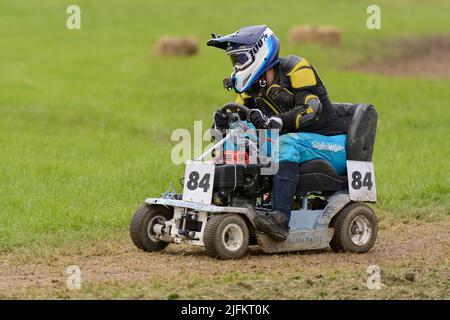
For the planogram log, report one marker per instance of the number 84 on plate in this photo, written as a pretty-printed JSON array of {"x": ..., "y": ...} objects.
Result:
[
  {"x": 198, "y": 182},
  {"x": 361, "y": 181}
]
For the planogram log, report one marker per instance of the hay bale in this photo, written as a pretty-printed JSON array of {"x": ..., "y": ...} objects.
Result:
[
  {"x": 328, "y": 35},
  {"x": 176, "y": 46}
]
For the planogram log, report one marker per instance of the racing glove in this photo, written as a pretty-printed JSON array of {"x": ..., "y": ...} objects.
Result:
[
  {"x": 221, "y": 120},
  {"x": 260, "y": 121}
]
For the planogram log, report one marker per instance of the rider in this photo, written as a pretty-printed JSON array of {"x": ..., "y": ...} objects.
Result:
[{"x": 282, "y": 93}]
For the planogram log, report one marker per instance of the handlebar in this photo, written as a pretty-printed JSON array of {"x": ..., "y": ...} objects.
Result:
[
  {"x": 233, "y": 107},
  {"x": 238, "y": 127}
]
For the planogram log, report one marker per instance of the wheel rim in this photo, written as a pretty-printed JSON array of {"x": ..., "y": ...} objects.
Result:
[
  {"x": 360, "y": 230},
  {"x": 232, "y": 237},
  {"x": 156, "y": 219}
]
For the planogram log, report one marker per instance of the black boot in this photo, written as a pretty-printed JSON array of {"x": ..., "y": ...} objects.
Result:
[{"x": 275, "y": 224}]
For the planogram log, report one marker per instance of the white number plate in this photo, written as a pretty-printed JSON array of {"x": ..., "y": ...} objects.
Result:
[
  {"x": 198, "y": 182},
  {"x": 361, "y": 181}
]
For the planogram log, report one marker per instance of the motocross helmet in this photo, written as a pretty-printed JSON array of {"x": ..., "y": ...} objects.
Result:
[{"x": 253, "y": 50}]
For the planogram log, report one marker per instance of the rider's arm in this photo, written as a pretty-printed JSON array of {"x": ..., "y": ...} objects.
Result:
[
  {"x": 303, "y": 114},
  {"x": 307, "y": 105}
]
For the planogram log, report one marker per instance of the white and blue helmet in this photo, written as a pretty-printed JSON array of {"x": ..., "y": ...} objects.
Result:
[{"x": 253, "y": 50}]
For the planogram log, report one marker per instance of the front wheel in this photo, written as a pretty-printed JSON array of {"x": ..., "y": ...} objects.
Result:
[
  {"x": 142, "y": 225},
  {"x": 226, "y": 236},
  {"x": 355, "y": 229}
]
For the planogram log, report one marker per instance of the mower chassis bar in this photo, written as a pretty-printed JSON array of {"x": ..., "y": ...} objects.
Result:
[{"x": 196, "y": 206}]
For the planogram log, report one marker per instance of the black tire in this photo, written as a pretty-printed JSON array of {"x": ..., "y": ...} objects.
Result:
[
  {"x": 139, "y": 226},
  {"x": 218, "y": 244},
  {"x": 347, "y": 223}
]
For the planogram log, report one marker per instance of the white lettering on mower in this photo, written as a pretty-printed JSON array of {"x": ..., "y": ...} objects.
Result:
[{"x": 193, "y": 310}]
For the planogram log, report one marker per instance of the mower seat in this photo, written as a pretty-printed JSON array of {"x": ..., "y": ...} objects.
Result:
[{"x": 318, "y": 175}]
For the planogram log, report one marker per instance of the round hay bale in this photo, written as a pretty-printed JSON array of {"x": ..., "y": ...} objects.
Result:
[
  {"x": 328, "y": 35},
  {"x": 176, "y": 46}
]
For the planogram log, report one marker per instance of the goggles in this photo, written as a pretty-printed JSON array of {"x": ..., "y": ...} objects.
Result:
[{"x": 241, "y": 59}]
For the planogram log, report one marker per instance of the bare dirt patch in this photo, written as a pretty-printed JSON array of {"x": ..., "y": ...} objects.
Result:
[
  {"x": 423, "y": 57},
  {"x": 413, "y": 257}
]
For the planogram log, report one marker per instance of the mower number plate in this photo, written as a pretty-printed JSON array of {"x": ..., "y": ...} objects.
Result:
[
  {"x": 198, "y": 182},
  {"x": 361, "y": 181}
]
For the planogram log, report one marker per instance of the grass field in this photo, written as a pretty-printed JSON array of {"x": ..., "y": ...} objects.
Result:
[{"x": 86, "y": 115}]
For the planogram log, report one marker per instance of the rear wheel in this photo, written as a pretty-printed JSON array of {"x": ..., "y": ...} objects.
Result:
[
  {"x": 226, "y": 236},
  {"x": 355, "y": 229},
  {"x": 142, "y": 225}
]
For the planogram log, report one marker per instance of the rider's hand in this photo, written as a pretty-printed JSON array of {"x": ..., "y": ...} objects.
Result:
[
  {"x": 260, "y": 121},
  {"x": 221, "y": 120},
  {"x": 275, "y": 123}
]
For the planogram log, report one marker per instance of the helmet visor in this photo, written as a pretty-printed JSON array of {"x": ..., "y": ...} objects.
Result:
[{"x": 240, "y": 59}]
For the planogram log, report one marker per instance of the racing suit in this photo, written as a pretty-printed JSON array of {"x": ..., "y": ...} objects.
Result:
[{"x": 311, "y": 127}]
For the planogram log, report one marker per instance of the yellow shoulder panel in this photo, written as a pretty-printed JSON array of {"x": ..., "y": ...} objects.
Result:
[
  {"x": 303, "y": 78},
  {"x": 301, "y": 63}
]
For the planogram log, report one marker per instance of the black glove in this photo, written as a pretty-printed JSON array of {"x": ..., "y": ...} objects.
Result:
[
  {"x": 275, "y": 123},
  {"x": 260, "y": 121},
  {"x": 221, "y": 120}
]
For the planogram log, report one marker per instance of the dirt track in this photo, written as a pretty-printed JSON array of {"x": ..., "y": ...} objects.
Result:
[
  {"x": 423, "y": 57},
  {"x": 413, "y": 257}
]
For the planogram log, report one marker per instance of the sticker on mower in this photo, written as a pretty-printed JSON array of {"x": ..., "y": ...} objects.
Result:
[
  {"x": 198, "y": 182},
  {"x": 361, "y": 181}
]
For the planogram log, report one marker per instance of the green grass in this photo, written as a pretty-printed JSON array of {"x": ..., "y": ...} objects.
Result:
[{"x": 86, "y": 116}]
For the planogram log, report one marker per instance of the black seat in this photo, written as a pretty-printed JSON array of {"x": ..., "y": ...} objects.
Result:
[
  {"x": 318, "y": 175},
  {"x": 317, "y": 166}
]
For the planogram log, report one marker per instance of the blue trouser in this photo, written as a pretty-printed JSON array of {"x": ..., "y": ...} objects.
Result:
[
  {"x": 298, "y": 147},
  {"x": 304, "y": 146}
]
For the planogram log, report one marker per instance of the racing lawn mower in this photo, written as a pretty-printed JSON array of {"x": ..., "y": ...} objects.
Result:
[{"x": 221, "y": 200}]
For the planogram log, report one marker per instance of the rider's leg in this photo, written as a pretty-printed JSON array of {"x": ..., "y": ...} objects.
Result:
[
  {"x": 284, "y": 187},
  {"x": 276, "y": 222},
  {"x": 295, "y": 148}
]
